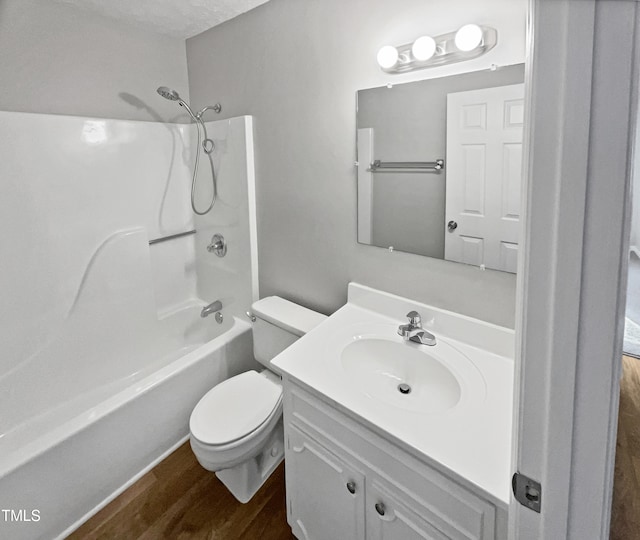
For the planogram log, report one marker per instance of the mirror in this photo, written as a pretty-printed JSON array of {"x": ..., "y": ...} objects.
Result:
[{"x": 439, "y": 167}]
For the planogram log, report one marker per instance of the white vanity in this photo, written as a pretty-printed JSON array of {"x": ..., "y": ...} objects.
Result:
[{"x": 391, "y": 439}]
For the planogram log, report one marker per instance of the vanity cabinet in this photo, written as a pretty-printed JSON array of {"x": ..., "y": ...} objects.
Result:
[
  {"x": 344, "y": 481},
  {"x": 325, "y": 494}
]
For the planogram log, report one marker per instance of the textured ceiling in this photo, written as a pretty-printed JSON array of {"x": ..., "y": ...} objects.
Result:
[{"x": 178, "y": 18}]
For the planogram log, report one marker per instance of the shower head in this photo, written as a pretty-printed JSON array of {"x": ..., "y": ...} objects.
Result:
[
  {"x": 168, "y": 93},
  {"x": 172, "y": 95}
]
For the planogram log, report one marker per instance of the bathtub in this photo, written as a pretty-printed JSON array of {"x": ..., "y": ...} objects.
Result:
[
  {"x": 103, "y": 353},
  {"x": 59, "y": 467}
]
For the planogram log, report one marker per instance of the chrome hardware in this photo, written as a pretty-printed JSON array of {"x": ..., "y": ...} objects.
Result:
[
  {"x": 171, "y": 237},
  {"x": 351, "y": 487},
  {"x": 251, "y": 316},
  {"x": 404, "y": 388},
  {"x": 406, "y": 166},
  {"x": 380, "y": 508},
  {"x": 452, "y": 226},
  {"x": 414, "y": 332},
  {"x": 219, "y": 318},
  {"x": 217, "y": 245},
  {"x": 217, "y": 108},
  {"x": 213, "y": 307},
  {"x": 208, "y": 146}
]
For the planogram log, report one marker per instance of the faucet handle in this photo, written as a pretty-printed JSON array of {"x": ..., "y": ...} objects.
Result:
[{"x": 414, "y": 318}]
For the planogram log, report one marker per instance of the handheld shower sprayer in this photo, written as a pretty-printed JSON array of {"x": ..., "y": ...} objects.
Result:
[{"x": 207, "y": 144}]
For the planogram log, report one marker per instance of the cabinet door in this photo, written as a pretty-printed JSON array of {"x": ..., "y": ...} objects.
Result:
[
  {"x": 390, "y": 518},
  {"x": 325, "y": 496}
]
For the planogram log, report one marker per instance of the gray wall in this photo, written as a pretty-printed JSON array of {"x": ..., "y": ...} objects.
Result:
[
  {"x": 410, "y": 124},
  {"x": 296, "y": 66},
  {"x": 64, "y": 60}
]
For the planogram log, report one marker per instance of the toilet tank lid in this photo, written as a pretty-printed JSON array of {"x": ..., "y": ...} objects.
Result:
[{"x": 289, "y": 316}]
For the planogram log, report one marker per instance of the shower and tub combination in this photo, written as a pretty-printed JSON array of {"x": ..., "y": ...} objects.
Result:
[{"x": 105, "y": 350}]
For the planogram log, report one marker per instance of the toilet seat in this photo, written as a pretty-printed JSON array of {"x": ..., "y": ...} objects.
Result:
[{"x": 235, "y": 409}]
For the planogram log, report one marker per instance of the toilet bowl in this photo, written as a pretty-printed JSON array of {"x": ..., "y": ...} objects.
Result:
[{"x": 236, "y": 428}]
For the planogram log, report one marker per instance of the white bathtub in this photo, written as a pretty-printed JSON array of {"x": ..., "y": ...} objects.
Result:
[
  {"x": 69, "y": 461},
  {"x": 103, "y": 353}
]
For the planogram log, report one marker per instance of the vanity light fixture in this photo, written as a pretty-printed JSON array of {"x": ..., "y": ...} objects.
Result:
[
  {"x": 468, "y": 37},
  {"x": 423, "y": 48},
  {"x": 470, "y": 41},
  {"x": 387, "y": 57}
]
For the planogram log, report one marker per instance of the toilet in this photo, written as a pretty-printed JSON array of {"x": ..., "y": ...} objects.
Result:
[{"x": 236, "y": 428}]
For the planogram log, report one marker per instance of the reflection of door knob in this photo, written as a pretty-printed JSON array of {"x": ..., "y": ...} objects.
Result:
[{"x": 452, "y": 226}]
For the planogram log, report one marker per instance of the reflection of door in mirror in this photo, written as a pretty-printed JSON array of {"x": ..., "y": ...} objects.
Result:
[{"x": 484, "y": 157}]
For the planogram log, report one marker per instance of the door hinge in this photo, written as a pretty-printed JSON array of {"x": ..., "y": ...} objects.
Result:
[{"x": 527, "y": 492}]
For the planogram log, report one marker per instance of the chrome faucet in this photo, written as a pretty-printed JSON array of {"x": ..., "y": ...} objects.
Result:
[
  {"x": 413, "y": 331},
  {"x": 213, "y": 307}
]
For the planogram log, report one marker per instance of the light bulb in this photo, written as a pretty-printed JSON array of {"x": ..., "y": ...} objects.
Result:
[
  {"x": 423, "y": 48},
  {"x": 468, "y": 37},
  {"x": 387, "y": 57}
]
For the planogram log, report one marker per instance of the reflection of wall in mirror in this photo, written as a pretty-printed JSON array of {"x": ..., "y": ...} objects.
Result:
[{"x": 409, "y": 124}]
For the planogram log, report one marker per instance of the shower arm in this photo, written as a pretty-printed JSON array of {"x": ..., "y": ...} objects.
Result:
[{"x": 216, "y": 108}]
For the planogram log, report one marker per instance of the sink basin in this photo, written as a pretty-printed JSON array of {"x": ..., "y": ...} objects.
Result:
[{"x": 401, "y": 374}]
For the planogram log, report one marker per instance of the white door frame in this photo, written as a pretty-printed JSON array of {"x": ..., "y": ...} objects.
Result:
[{"x": 572, "y": 272}]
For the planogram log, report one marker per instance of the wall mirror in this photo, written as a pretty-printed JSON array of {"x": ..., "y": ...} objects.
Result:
[{"x": 439, "y": 166}]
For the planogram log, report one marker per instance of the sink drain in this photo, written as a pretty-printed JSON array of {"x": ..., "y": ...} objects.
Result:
[{"x": 404, "y": 388}]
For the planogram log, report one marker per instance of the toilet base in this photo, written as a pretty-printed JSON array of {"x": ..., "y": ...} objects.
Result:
[{"x": 244, "y": 480}]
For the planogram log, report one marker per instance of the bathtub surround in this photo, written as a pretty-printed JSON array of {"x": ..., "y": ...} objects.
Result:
[
  {"x": 232, "y": 279},
  {"x": 296, "y": 67},
  {"x": 98, "y": 327},
  {"x": 59, "y": 59}
]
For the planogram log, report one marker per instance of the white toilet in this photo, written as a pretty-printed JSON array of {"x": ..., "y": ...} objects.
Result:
[{"x": 236, "y": 428}]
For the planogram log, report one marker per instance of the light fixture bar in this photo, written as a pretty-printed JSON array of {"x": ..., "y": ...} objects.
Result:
[{"x": 446, "y": 52}]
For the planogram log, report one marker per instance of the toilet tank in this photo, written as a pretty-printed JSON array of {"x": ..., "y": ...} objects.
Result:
[{"x": 278, "y": 324}]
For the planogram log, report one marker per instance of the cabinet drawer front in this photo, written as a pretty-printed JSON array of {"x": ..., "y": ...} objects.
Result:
[
  {"x": 325, "y": 496},
  {"x": 448, "y": 506},
  {"x": 388, "y": 517}
]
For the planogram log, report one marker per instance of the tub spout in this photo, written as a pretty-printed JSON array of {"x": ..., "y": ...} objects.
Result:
[{"x": 213, "y": 307}]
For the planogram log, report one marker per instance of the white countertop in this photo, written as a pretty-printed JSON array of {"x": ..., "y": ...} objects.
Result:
[{"x": 473, "y": 439}]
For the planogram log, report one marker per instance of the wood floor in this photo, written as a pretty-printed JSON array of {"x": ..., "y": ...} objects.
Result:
[
  {"x": 625, "y": 511},
  {"x": 178, "y": 499}
]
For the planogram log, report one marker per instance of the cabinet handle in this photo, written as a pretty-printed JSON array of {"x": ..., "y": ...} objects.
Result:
[
  {"x": 351, "y": 486},
  {"x": 380, "y": 508}
]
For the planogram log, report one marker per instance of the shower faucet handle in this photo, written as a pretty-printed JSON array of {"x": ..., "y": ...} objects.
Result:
[{"x": 218, "y": 245}]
